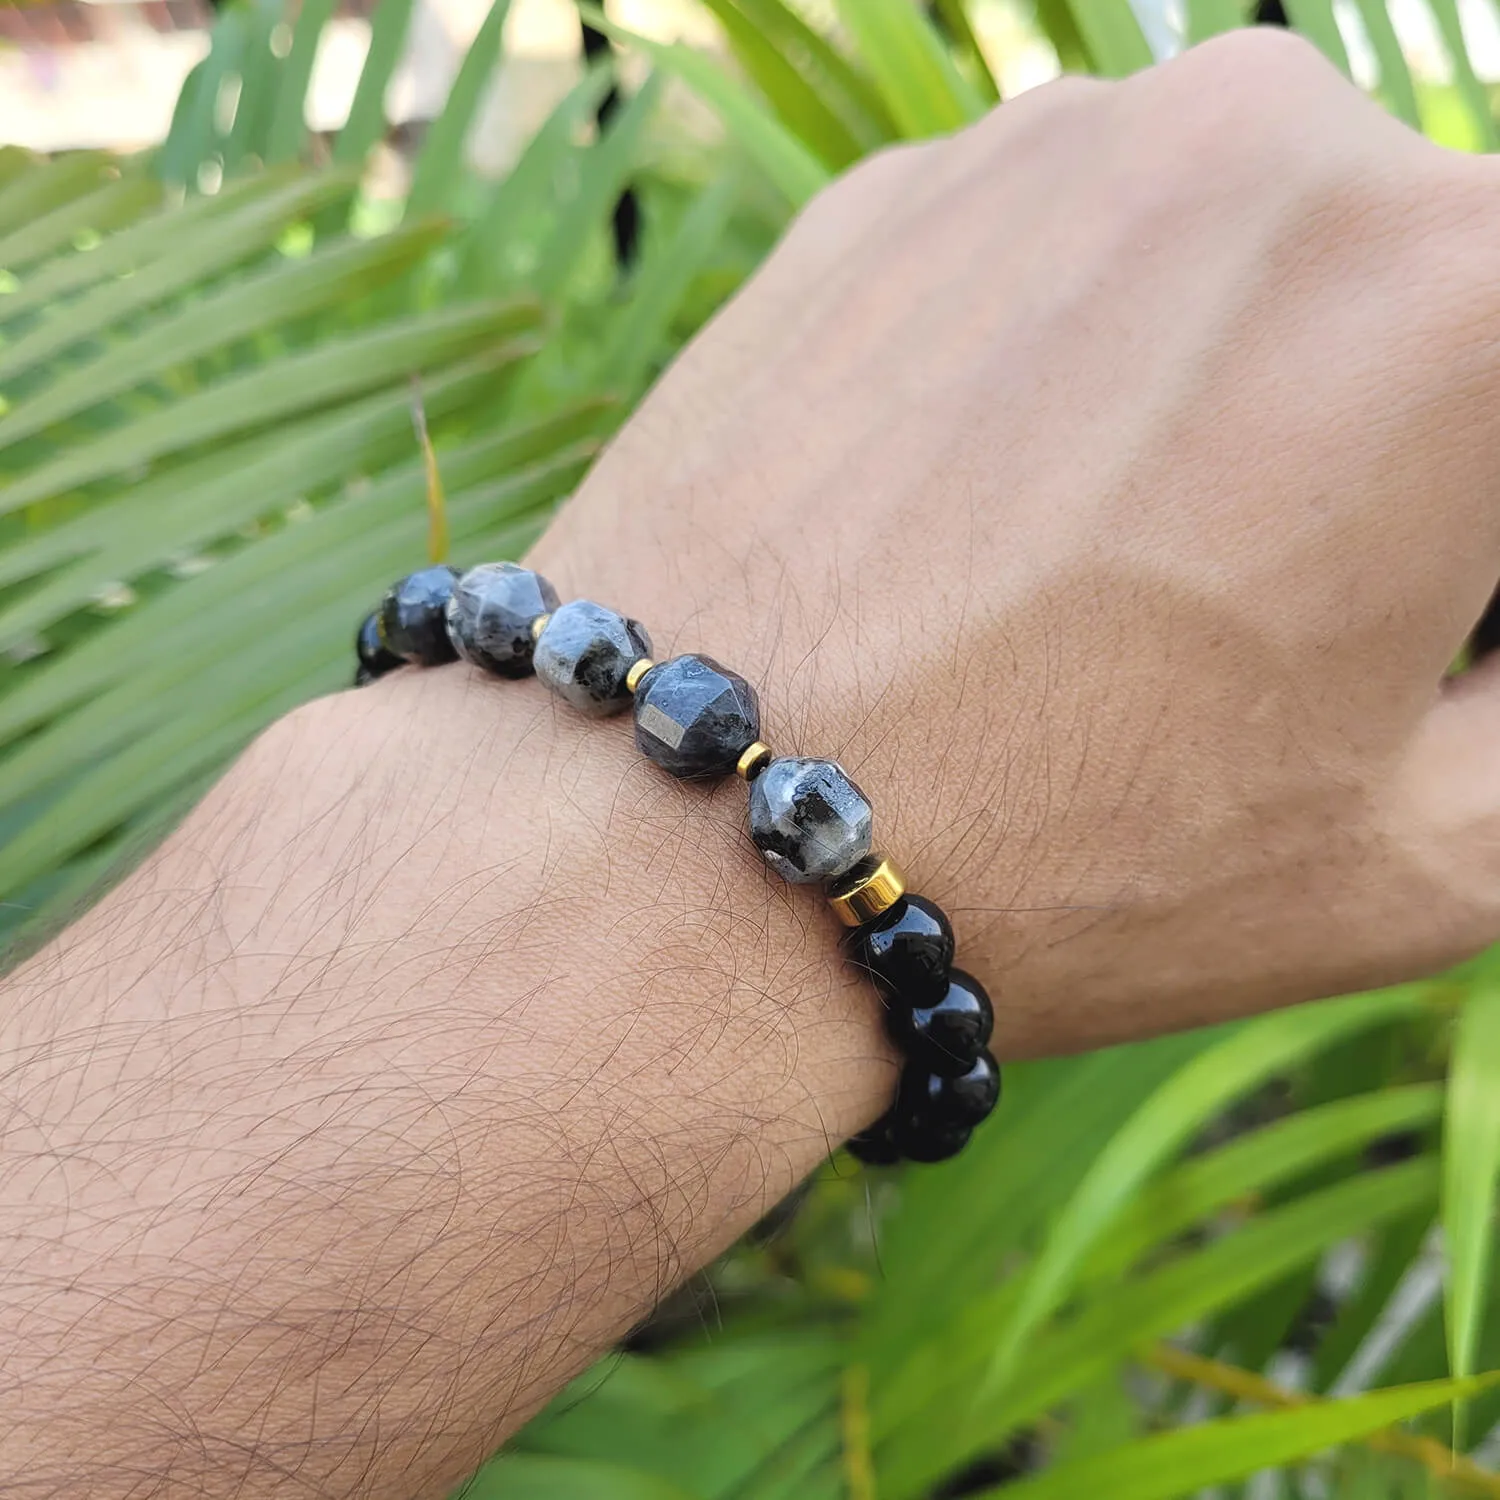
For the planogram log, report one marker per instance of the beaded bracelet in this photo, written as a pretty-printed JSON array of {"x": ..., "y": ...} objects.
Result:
[{"x": 696, "y": 719}]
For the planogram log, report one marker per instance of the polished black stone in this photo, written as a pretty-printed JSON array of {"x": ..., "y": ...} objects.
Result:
[
  {"x": 875, "y": 1146},
  {"x": 363, "y": 676},
  {"x": 694, "y": 717},
  {"x": 907, "y": 950},
  {"x": 585, "y": 652},
  {"x": 412, "y": 616},
  {"x": 949, "y": 1036},
  {"x": 925, "y": 1098},
  {"x": 490, "y": 615},
  {"x": 809, "y": 819},
  {"x": 929, "y": 1141},
  {"x": 373, "y": 657}
]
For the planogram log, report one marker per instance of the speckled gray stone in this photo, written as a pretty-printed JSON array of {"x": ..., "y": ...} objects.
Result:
[
  {"x": 809, "y": 819},
  {"x": 694, "y": 717},
  {"x": 490, "y": 615},
  {"x": 584, "y": 653}
]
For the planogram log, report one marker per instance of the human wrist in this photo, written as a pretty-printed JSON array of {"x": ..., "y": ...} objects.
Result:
[
  {"x": 462, "y": 997},
  {"x": 531, "y": 853},
  {"x": 700, "y": 721}
]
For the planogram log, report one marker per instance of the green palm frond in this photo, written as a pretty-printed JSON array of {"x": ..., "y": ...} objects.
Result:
[{"x": 207, "y": 464}]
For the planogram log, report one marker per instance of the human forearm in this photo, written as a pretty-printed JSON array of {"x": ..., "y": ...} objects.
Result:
[{"x": 438, "y": 1044}]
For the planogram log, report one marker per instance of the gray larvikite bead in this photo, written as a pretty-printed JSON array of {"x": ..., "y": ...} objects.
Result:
[
  {"x": 694, "y": 717},
  {"x": 490, "y": 614},
  {"x": 809, "y": 819},
  {"x": 585, "y": 652}
]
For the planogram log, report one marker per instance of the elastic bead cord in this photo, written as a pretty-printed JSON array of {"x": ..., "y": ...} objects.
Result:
[{"x": 811, "y": 822}]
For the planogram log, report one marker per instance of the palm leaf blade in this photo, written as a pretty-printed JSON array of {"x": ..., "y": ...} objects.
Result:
[
  {"x": 1181, "y": 1107},
  {"x": 922, "y": 88},
  {"x": 1173, "y": 1464},
  {"x": 275, "y": 295},
  {"x": 366, "y": 124},
  {"x": 226, "y": 242},
  {"x": 316, "y": 377},
  {"x": 784, "y": 159},
  {"x": 1471, "y": 1170},
  {"x": 441, "y": 164}
]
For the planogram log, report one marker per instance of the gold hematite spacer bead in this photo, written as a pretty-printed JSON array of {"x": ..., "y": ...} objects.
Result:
[
  {"x": 538, "y": 625},
  {"x": 753, "y": 760},
  {"x": 637, "y": 671},
  {"x": 874, "y": 885}
]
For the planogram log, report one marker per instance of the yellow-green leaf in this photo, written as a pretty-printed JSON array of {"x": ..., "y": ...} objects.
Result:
[
  {"x": 1172, "y": 1464},
  {"x": 1111, "y": 36},
  {"x": 1170, "y": 1118},
  {"x": 784, "y": 159},
  {"x": 1471, "y": 1170},
  {"x": 917, "y": 77}
]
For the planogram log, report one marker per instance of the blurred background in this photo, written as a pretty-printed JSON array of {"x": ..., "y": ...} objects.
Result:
[
  {"x": 250, "y": 255},
  {"x": 106, "y": 72}
]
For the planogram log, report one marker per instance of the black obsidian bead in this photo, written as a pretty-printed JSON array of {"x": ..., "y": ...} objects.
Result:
[
  {"x": 932, "y": 1099},
  {"x": 374, "y": 660},
  {"x": 1486, "y": 635},
  {"x": 585, "y": 653},
  {"x": 907, "y": 950},
  {"x": 490, "y": 614},
  {"x": 875, "y": 1146},
  {"x": 926, "y": 1141},
  {"x": 413, "y": 622},
  {"x": 694, "y": 717},
  {"x": 947, "y": 1037}
]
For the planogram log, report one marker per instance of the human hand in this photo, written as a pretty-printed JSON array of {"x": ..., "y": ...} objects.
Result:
[
  {"x": 1109, "y": 489},
  {"x": 1106, "y": 487}
]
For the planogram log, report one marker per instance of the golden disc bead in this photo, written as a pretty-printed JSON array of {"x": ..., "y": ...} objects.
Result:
[
  {"x": 874, "y": 885},
  {"x": 753, "y": 760}
]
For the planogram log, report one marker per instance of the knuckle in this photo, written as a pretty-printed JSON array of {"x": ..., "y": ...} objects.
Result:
[
  {"x": 870, "y": 186},
  {"x": 1067, "y": 92},
  {"x": 1243, "y": 92},
  {"x": 1253, "y": 63},
  {"x": 1263, "y": 109},
  {"x": 882, "y": 173},
  {"x": 1044, "y": 109},
  {"x": 1048, "y": 133}
]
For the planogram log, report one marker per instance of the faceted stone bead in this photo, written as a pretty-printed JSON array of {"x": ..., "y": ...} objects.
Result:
[
  {"x": 374, "y": 659},
  {"x": 907, "y": 950},
  {"x": 584, "y": 653},
  {"x": 412, "y": 622},
  {"x": 931, "y": 1099},
  {"x": 947, "y": 1037},
  {"x": 809, "y": 819},
  {"x": 490, "y": 614},
  {"x": 694, "y": 717}
]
